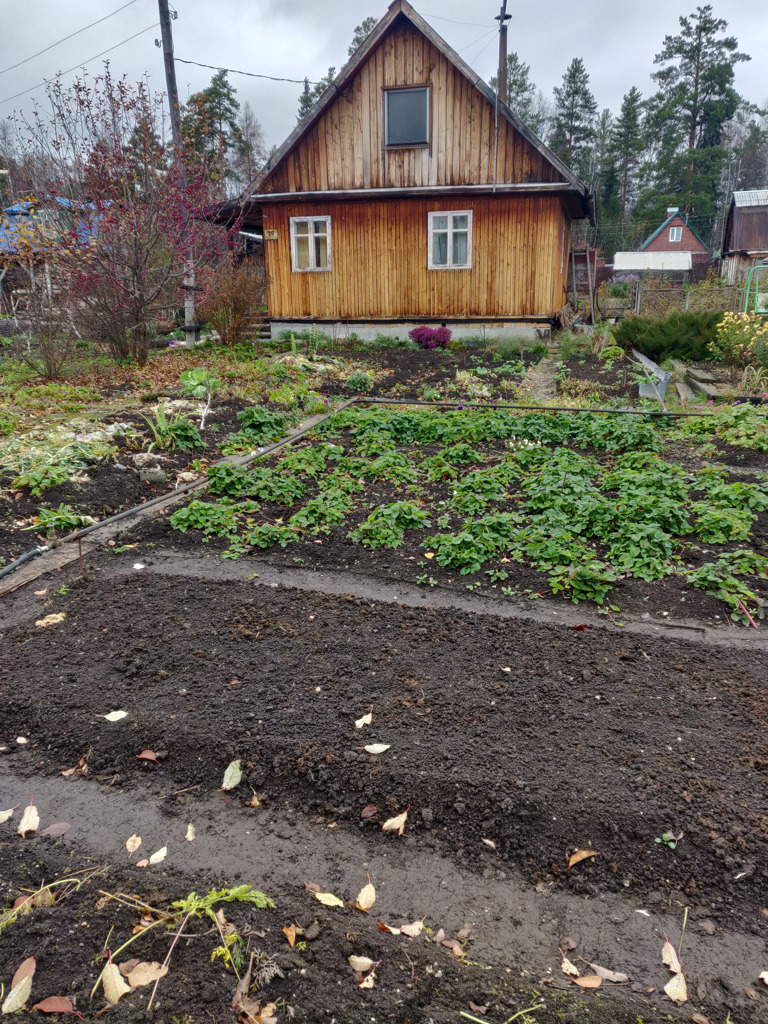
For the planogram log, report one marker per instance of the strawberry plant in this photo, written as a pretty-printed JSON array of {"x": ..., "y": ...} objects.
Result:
[{"x": 385, "y": 527}]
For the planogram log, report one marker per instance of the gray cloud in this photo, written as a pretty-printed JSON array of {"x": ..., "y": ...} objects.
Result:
[{"x": 617, "y": 40}]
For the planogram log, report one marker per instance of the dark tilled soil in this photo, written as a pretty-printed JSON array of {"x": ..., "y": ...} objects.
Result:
[
  {"x": 589, "y": 376},
  {"x": 405, "y": 372},
  {"x": 538, "y": 738}
]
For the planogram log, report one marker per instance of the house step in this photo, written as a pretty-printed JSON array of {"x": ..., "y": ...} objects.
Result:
[
  {"x": 685, "y": 393},
  {"x": 700, "y": 375},
  {"x": 704, "y": 389}
]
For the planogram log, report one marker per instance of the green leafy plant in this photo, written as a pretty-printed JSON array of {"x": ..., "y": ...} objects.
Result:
[
  {"x": 359, "y": 382},
  {"x": 385, "y": 527},
  {"x": 173, "y": 431},
  {"x": 200, "y": 383},
  {"x": 41, "y": 478},
  {"x": 63, "y": 518},
  {"x": 262, "y": 425}
]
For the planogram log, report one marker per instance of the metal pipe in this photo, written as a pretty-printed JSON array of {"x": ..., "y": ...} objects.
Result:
[{"x": 535, "y": 408}]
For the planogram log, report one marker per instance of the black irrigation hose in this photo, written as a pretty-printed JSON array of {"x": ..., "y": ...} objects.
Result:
[
  {"x": 363, "y": 400},
  {"x": 184, "y": 489}
]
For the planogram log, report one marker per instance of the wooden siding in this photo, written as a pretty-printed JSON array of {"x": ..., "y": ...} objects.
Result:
[
  {"x": 379, "y": 259},
  {"x": 345, "y": 147}
]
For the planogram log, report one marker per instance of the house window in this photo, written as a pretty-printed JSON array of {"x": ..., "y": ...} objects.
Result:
[
  {"x": 450, "y": 240},
  {"x": 406, "y": 117},
  {"x": 310, "y": 243},
  {"x": 675, "y": 234}
]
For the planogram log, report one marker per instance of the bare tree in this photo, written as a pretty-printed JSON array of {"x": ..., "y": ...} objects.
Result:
[{"x": 252, "y": 149}]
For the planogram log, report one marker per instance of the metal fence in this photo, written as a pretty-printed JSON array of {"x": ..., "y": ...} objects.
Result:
[{"x": 660, "y": 302}]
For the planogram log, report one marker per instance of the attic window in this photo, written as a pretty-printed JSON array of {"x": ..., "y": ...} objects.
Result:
[
  {"x": 676, "y": 234},
  {"x": 310, "y": 243},
  {"x": 406, "y": 117}
]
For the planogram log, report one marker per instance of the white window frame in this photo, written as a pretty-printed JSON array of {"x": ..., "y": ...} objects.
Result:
[
  {"x": 430, "y": 236},
  {"x": 676, "y": 234},
  {"x": 406, "y": 145},
  {"x": 308, "y": 220}
]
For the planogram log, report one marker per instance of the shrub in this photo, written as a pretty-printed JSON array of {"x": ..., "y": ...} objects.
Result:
[
  {"x": 690, "y": 336},
  {"x": 234, "y": 300},
  {"x": 742, "y": 339},
  {"x": 430, "y": 337},
  {"x": 359, "y": 381}
]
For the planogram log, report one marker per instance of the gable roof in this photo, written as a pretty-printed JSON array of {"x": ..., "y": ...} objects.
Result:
[
  {"x": 668, "y": 221},
  {"x": 397, "y": 8}
]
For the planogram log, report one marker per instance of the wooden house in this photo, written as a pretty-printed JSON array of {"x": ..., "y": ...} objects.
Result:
[
  {"x": 745, "y": 243},
  {"x": 409, "y": 194},
  {"x": 675, "y": 235}
]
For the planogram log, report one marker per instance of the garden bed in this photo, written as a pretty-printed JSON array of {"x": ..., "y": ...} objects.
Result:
[{"x": 538, "y": 738}]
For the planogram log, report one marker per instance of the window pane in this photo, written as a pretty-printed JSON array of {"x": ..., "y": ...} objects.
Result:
[
  {"x": 302, "y": 253},
  {"x": 301, "y": 227},
  {"x": 440, "y": 223},
  {"x": 460, "y": 221},
  {"x": 460, "y": 248},
  {"x": 321, "y": 250},
  {"x": 440, "y": 249},
  {"x": 407, "y": 117},
  {"x": 319, "y": 227}
]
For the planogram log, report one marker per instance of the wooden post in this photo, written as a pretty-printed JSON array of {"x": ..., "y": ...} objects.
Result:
[
  {"x": 591, "y": 294},
  {"x": 191, "y": 329}
]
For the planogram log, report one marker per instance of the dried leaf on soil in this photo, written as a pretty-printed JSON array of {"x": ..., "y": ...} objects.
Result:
[
  {"x": 396, "y": 824},
  {"x": 148, "y": 755},
  {"x": 365, "y": 720},
  {"x": 26, "y": 969},
  {"x": 589, "y": 981},
  {"x": 254, "y": 801},
  {"x": 51, "y": 620},
  {"x": 377, "y": 748},
  {"x": 412, "y": 930},
  {"x": 114, "y": 716},
  {"x": 55, "y": 1004},
  {"x": 56, "y": 830},
  {"x": 454, "y": 947},
  {"x": 612, "y": 976},
  {"x": 579, "y": 855},
  {"x": 368, "y": 982},
  {"x": 489, "y": 842},
  {"x": 142, "y": 864},
  {"x": 232, "y": 776},
  {"x": 311, "y": 887},
  {"x": 392, "y": 929},
  {"x": 569, "y": 968},
  {"x": 676, "y": 989},
  {"x": 369, "y": 811},
  {"x": 328, "y": 899},
  {"x": 290, "y": 933},
  {"x": 366, "y": 898},
  {"x": 126, "y": 968},
  {"x": 113, "y": 984},
  {"x": 18, "y": 996},
  {"x": 30, "y": 819},
  {"x": 133, "y": 843},
  {"x": 190, "y": 836},
  {"x": 6, "y": 815},
  {"x": 764, "y": 977},
  {"x": 360, "y": 963},
  {"x": 699, "y": 1018},
  {"x": 144, "y": 974},
  {"x": 158, "y": 855},
  {"x": 669, "y": 957}
]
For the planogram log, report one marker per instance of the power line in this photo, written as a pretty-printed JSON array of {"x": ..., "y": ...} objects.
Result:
[
  {"x": 80, "y": 64},
  {"x": 474, "y": 24},
  {"x": 71, "y": 36},
  {"x": 251, "y": 74}
]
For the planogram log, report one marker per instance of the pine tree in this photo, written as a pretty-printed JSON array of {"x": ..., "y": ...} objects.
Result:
[
  {"x": 521, "y": 93},
  {"x": 627, "y": 150},
  {"x": 308, "y": 96},
  {"x": 694, "y": 104},
  {"x": 573, "y": 121},
  {"x": 209, "y": 126},
  {"x": 361, "y": 33}
]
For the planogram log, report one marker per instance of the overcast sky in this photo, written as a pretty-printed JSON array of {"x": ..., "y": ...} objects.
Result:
[{"x": 616, "y": 38}]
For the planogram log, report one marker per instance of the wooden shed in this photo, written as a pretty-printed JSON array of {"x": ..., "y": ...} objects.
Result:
[
  {"x": 745, "y": 242},
  {"x": 409, "y": 194}
]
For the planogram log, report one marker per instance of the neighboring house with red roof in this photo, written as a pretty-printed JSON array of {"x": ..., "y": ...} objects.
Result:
[{"x": 676, "y": 235}]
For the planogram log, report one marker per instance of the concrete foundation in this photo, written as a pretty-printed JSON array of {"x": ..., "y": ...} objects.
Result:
[{"x": 369, "y": 331}]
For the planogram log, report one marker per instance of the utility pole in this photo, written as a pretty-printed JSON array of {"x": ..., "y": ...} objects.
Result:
[
  {"x": 191, "y": 327},
  {"x": 502, "y": 17},
  {"x": 501, "y": 84}
]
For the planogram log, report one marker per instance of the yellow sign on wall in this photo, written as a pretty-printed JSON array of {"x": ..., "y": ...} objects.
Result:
[{"x": 271, "y": 234}]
